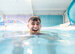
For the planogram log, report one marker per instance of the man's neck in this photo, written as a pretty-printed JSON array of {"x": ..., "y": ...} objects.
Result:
[{"x": 35, "y": 33}]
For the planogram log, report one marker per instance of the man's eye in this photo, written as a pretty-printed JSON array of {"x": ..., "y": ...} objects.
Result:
[
  {"x": 33, "y": 24},
  {"x": 38, "y": 23}
]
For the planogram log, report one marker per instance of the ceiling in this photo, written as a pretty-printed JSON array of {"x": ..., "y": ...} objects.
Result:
[
  {"x": 50, "y": 6},
  {"x": 35, "y": 7}
]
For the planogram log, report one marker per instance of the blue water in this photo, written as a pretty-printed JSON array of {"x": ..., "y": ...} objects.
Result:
[{"x": 64, "y": 44}]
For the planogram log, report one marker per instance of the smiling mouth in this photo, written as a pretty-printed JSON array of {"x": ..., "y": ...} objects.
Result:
[{"x": 35, "y": 30}]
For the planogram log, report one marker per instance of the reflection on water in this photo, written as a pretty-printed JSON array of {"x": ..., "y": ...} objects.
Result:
[
  {"x": 64, "y": 44},
  {"x": 34, "y": 45}
]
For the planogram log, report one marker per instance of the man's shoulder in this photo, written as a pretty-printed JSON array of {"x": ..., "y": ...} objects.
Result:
[
  {"x": 40, "y": 34},
  {"x": 44, "y": 34}
]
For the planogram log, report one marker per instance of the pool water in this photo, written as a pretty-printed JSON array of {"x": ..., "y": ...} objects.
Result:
[{"x": 64, "y": 44}]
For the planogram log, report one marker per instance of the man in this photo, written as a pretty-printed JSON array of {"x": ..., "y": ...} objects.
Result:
[
  {"x": 34, "y": 25},
  {"x": 39, "y": 40},
  {"x": 35, "y": 42}
]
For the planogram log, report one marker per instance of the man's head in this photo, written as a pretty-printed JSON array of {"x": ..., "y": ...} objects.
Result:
[{"x": 34, "y": 24}]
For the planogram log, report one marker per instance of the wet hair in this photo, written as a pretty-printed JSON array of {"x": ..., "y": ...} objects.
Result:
[{"x": 34, "y": 18}]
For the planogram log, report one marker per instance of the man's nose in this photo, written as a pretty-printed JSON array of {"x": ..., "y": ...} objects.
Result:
[{"x": 35, "y": 25}]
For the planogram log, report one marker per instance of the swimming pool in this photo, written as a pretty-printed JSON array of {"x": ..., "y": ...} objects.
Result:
[{"x": 65, "y": 43}]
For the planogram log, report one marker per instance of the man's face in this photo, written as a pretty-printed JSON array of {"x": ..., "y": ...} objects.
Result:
[{"x": 34, "y": 27}]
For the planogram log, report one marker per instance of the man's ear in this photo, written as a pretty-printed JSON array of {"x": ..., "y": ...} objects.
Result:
[
  {"x": 40, "y": 26},
  {"x": 28, "y": 25}
]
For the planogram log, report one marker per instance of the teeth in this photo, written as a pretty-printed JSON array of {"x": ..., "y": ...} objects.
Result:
[{"x": 35, "y": 29}]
